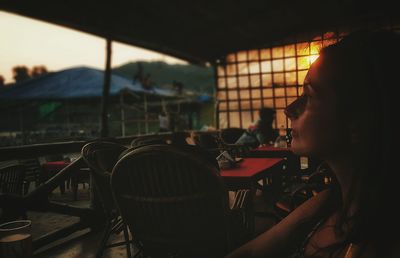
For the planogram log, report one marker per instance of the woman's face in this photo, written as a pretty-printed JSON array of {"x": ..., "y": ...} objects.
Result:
[{"x": 315, "y": 127}]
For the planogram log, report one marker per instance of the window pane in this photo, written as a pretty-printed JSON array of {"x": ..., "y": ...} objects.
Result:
[
  {"x": 234, "y": 119},
  {"x": 280, "y": 102},
  {"x": 254, "y": 67},
  {"x": 231, "y": 58},
  {"x": 244, "y": 81},
  {"x": 223, "y": 106},
  {"x": 257, "y": 104},
  {"x": 223, "y": 120},
  {"x": 232, "y": 94},
  {"x": 277, "y": 52},
  {"x": 242, "y": 56},
  {"x": 221, "y": 83},
  {"x": 267, "y": 93},
  {"x": 315, "y": 47},
  {"x": 290, "y": 50},
  {"x": 279, "y": 92},
  {"x": 245, "y": 104},
  {"x": 253, "y": 55},
  {"x": 302, "y": 48},
  {"x": 269, "y": 103},
  {"x": 291, "y": 78},
  {"x": 255, "y": 94},
  {"x": 255, "y": 80},
  {"x": 244, "y": 94},
  {"x": 280, "y": 118},
  {"x": 231, "y": 69},
  {"x": 279, "y": 79},
  {"x": 300, "y": 77},
  {"x": 246, "y": 119},
  {"x": 265, "y": 54},
  {"x": 277, "y": 65},
  {"x": 303, "y": 62},
  {"x": 290, "y": 64},
  {"x": 221, "y": 71},
  {"x": 266, "y": 66},
  {"x": 267, "y": 80},
  {"x": 232, "y": 82},
  {"x": 221, "y": 95},
  {"x": 233, "y": 105},
  {"x": 243, "y": 68},
  {"x": 291, "y": 91}
]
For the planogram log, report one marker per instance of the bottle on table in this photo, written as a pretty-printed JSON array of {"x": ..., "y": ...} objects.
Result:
[{"x": 281, "y": 140}]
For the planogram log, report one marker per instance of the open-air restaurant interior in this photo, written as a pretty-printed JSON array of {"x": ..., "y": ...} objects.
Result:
[{"x": 94, "y": 164}]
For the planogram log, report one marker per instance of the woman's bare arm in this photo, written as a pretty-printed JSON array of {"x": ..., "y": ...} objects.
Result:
[{"x": 282, "y": 239}]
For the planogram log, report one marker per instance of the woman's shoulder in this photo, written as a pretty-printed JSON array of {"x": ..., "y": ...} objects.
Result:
[
  {"x": 310, "y": 212},
  {"x": 317, "y": 205}
]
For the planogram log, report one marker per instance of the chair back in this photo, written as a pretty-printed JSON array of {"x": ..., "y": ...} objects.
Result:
[
  {"x": 12, "y": 179},
  {"x": 231, "y": 135},
  {"x": 101, "y": 157},
  {"x": 33, "y": 170},
  {"x": 148, "y": 140},
  {"x": 173, "y": 201}
]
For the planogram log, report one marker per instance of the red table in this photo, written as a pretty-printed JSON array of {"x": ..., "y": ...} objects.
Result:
[
  {"x": 247, "y": 174},
  {"x": 250, "y": 171},
  {"x": 251, "y": 167}
]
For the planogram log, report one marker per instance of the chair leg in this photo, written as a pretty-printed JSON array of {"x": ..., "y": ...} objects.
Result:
[
  {"x": 128, "y": 244},
  {"x": 104, "y": 240}
]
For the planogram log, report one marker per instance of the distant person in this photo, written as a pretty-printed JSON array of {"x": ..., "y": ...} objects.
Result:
[
  {"x": 164, "y": 122},
  {"x": 260, "y": 132}
]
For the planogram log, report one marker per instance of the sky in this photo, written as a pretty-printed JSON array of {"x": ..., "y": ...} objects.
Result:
[{"x": 30, "y": 42}]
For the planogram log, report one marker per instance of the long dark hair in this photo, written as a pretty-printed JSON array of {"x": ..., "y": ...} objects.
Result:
[{"x": 365, "y": 69}]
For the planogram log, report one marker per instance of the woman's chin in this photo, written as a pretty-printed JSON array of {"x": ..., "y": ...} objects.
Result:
[{"x": 297, "y": 149}]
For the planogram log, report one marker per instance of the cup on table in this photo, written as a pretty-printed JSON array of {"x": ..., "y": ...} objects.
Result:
[{"x": 16, "y": 239}]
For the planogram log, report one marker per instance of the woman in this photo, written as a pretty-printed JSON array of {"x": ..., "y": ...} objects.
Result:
[{"x": 345, "y": 117}]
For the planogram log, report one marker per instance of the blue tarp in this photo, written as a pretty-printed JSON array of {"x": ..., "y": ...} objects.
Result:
[{"x": 79, "y": 82}]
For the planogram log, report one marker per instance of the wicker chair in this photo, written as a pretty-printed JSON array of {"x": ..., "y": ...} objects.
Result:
[
  {"x": 101, "y": 157},
  {"x": 175, "y": 203},
  {"x": 33, "y": 173},
  {"x": 147, "y": 140},
  {"x": 12, "y": 179},
  {"x": 309, "y": 186},
  {"x": 11, "y": 191}
]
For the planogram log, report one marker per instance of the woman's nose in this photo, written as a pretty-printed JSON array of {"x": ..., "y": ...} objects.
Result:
[{"x": 294, "y": 110}]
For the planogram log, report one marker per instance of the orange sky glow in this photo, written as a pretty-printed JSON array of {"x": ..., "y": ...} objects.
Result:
[{"x": 30, "y": 42}]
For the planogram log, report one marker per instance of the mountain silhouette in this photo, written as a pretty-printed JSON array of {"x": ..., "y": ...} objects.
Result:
[{"x": 194, "y": 78}]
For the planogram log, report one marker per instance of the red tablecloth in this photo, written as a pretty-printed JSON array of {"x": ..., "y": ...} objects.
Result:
[
  {"x": 250, "y": 167},
  {"x": 54, "y": 166},
  {"x": 270, "y": 148}
]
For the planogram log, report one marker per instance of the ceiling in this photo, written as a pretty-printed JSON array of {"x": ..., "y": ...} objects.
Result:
[{"x": 200, "y": 31}]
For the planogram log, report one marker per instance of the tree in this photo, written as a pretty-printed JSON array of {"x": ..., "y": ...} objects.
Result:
[
  {"x": 1, "y": 81},
  {"x": 38, "y": 70},
  {"x": 20, "y": 73}
]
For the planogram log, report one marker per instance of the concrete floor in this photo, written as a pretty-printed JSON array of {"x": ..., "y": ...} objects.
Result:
[{"x": 88, "y": 242}]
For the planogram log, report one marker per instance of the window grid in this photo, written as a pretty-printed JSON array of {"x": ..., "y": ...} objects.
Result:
[
  {"x": 268, "y": 85},
  {"x": 271, "y": 89}
]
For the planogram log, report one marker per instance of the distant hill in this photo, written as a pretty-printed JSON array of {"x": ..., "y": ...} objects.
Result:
[{"x": 194, "y": 78}]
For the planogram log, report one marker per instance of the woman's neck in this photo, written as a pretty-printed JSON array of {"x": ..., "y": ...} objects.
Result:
[{"x": 343, "y": 169}]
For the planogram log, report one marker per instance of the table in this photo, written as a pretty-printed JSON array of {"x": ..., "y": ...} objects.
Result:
[
  {"x": 53, "y": 167},
  {"x": 250, "y": 171},
  {"x": 247, "y": 174}
]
